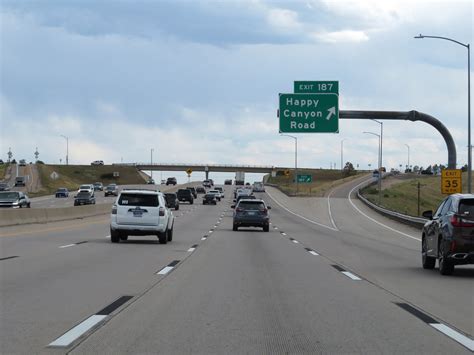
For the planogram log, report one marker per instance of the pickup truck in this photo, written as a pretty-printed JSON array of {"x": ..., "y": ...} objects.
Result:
[{"x": 20, "y": 181}]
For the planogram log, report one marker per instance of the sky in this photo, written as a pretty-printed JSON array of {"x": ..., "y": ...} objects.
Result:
[{"x": 198, "y": 81}]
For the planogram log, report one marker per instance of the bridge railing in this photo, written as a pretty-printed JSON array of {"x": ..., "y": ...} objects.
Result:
[{"x": 187, "y": 165}]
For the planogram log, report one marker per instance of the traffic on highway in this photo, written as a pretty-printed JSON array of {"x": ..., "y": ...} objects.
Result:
[{"x": 236, "y": 177}]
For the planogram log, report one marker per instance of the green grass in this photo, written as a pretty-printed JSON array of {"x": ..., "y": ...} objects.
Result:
[
  {"x": 72, "y": 176},
  {"x": 323, "y": 181},
  {"x": 403, "y": 197},
  {"x": 3, "y": 170}
]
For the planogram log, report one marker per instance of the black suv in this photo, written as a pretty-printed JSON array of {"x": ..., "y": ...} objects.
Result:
[
  {"x": 84, "y": 198},
  {"x": 185, "y": 195},
  {"x": 171, "y": 181},
  {"x": 172, "y": 200},
  {"x": 193, "y": 191},
  {"x": 449, "y": 234}
]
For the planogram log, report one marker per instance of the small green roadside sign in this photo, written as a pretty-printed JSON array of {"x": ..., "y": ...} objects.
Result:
[
  {"x": 316, "y": 87},
  {"x": 309, "y": 113},
  {"x": 305, "y": 178}
]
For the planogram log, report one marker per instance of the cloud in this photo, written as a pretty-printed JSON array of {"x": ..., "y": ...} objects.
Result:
[
  {"x": 341, "y": 36},
  {"x": 284, "y": 20}
]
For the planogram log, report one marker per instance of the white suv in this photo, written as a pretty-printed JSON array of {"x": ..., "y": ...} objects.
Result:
[{"x": 141, "y": 212}]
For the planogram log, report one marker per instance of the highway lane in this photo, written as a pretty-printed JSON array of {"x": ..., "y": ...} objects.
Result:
[
  {"x": 56, "y": 280},
  {"x": 245, "y": 291},
  {"x": 256, "y": 292}
]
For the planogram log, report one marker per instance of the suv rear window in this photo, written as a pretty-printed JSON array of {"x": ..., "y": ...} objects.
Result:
[
  {"x": 146, "y": 200},
  {"x": 250, "y": 205},
  {"x": 467, "y": 207}
]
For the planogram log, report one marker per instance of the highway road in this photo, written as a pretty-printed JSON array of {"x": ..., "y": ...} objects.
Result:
[{"x": 331, "y": 276}]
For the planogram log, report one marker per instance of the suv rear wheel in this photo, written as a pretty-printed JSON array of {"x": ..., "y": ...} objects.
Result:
[
  {"x": 163, "y": 237},
  {"x": 114, "y": 236},
  {"x": 428, "y": 262},
  {"x": 446, "y": 267}
]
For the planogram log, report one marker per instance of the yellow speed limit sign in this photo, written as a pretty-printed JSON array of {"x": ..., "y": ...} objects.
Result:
[
  {"x": 451, "y": 181},
  {"x": 189, "y": 171}
]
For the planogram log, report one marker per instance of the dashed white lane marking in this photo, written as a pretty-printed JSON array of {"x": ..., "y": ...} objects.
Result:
[
  {"x": 67, "y": 246},
  {"x": 283, "y": 233},
  {"x": 351, "y": 275},
  {"x": 275, "y": 228},
  {"x": 107, "y": 237},
  {"x": 203, "y": 238},
  {"x": 210, "y": 232},
  {"x": 191, "y": 250},
  {"x": 373, "y": 220},
  {"x": 460, "y": 338},
  {"x": 165, "y": 270},
  {"x": 295, "y": 241},
  {"x": 78, "y": 330},
  {"x": 313, "y": 252},
  {"x": 300, "y": 216}
]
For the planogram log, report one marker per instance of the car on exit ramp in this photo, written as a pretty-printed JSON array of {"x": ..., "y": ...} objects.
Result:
[{"x": 448, "y": 236}]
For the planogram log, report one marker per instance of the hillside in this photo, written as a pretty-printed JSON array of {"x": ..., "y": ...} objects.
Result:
[
  {"x": 72, "y": 176},
  {"x": 323, "y": 180}
]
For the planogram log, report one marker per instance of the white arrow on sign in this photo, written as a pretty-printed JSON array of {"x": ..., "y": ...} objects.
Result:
[{"x": 332, "y": 111}]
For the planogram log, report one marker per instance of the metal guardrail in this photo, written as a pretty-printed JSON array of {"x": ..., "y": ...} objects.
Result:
[{"x": 400, "y": 217}]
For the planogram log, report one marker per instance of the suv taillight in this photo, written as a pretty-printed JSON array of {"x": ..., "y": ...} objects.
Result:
[
  {"x": 162, "y": 212},
  {"x": 114, "y": 209},
  {"x": 457, "y": 221}
]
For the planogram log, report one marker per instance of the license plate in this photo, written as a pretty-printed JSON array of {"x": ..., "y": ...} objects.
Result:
[
  {"x": 251, "y": 213},
  {"x": 137, "y": 214}
]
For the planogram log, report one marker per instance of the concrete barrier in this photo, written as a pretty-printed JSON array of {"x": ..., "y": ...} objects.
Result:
[{"x": 13, "y": 217}]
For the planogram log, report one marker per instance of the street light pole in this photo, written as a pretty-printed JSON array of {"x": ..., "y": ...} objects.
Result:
[
  {"x": 380, "y": 166},
  {"x": 151, "y": 160},
  {"x": 296, "y": 158},
  {"x": 408, "y": 165},
  {"x": 469, "y": 148},
  {"x": 67, "y": 148},
  {"x": 342, "y": 153}
]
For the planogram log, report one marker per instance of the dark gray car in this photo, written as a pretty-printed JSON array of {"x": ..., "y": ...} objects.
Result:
[
  {"x": 251, "y": 213},
  {"x": 449, "y": 234}
]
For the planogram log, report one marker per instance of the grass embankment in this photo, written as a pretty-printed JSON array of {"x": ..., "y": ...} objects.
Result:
[
  {"x": 3, "y": 170},
  {"x": 72, "y": 176},
  {"x": 323, "y": 181},
  {"x": 401, "y": 193}
]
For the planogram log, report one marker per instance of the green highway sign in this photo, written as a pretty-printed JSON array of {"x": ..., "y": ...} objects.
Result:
[
  {"x": 309, "y": 113},
  {"x": 305, "y": 178},
  {"x": 316, "y": 87}
]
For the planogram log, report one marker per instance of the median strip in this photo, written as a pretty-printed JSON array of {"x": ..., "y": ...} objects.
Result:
[
  {"x": 448, "y": 331},
  {"x": 76, "y": 332}
]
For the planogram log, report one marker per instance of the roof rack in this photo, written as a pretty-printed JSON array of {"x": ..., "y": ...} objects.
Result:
[{"x": 141, "y": 190}]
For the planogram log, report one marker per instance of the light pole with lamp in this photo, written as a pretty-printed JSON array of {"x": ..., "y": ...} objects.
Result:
[
  {"x": 380, "y": 166},
  {"x": 296, "y": 158},
  {"x": 342, "y": 153},
  {"x": 469, "y": 148},
  {"x": 151, "y": 160},
  {"x": 381, "y": 141},
  {"x": 67, "y": 148},
  {"x": 408, "y": 165}
]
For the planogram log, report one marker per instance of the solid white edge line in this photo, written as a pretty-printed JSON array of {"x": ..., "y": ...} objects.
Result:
[
  {"x": 191, "y": 250},
  {"x": 329, "y": 210},
  {"x": 293, "y": 213},
  {"x": 351, "y": 275},
  {"x": 373, "y": 220},
  {"x": 165, "y": 270},
  {"x": 67, "y": 246},
  {"x": 460, "y": 338},
  {"x": 78, "y": 330},
  {"x": 313, "y": 252}
]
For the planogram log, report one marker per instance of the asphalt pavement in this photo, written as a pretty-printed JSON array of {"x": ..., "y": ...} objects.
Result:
[{"x": 329, "y": 277}]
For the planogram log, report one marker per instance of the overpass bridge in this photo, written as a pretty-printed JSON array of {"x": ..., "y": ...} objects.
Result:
[{"x": 207, "y": 168}]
